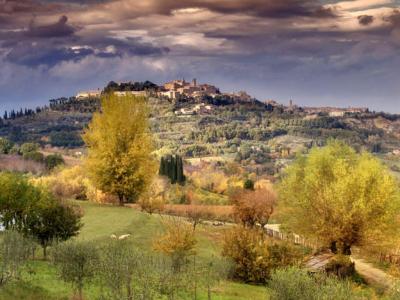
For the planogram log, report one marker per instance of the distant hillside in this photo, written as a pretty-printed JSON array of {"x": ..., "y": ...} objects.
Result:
[{"x": 254, "y": 133}]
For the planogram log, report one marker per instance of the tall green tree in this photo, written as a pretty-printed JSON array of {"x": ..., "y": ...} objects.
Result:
[
  {"x": 120, "y": 146},
  {"x": 172, "y": 167},
  {"x": 340, "y": 198}
]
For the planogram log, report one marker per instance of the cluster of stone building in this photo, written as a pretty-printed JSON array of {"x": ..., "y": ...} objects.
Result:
[
  {"x": 180, "y": 88},
  {"x": 175, "y": 90}
]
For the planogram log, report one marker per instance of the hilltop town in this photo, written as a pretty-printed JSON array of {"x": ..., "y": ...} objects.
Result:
[{"x": 205, "y": 95}]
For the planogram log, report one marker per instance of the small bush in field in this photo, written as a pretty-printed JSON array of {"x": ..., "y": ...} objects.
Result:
[
  {"x": 77, "y": 263},
  {"x": 14, "y": 252},
  {"x": 296, "y": 284},
  {"x": 5, "y": 146},
  {"x": 29, "y": 148},
  {"x": 341, "y": 266},
  {"x": 53, "y": 160},
  {"x": 196, "y": 216},
  {"x": 292, "y": 284},
  {"x": 35, "y": 156},
  {"x": 254, "y": 257},
  {"x": 178, "y": 242},
  {"x": 248, "y": 184},
  {"x": 118, "y": 266},
  {"x": 249, "y": 253}
]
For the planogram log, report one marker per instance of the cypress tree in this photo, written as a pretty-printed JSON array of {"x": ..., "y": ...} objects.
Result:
[
  {"x": 172, "y": 167},
  {"x": 161, "y": 171}
]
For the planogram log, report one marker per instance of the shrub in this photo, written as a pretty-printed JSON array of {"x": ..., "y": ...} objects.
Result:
[
  {"x": 296, "y": 284},
  {"x": 254, "y": 256},
  {"x": 249, "y": 252},
  {"x": 178, "y": 242},
  {"x": 196, "y": 215},
  {"x": 153, "y": 199},
  {"x": 77, "y": 263},
  {"x": 292, "y": 284},
  {"x": 15, "y": 150},
  {"x": 5, "y": 146},
  {"x": 14, "y": 252},
  {"x": 248, "y": 184},
  {"x": 65, "y": 183},
  {"x": 118, "y": 266},
  {"x": 29, "y": 147},
  {"x": 35, "y": 156},
  {"x": 53, "y": 160},
  {"x": 341, "y": 266}
]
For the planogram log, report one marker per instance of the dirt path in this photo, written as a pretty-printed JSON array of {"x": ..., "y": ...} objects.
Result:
[{"x": 371, "y": 274}]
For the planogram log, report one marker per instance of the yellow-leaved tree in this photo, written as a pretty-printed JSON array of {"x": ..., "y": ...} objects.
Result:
[
  {"x": 340, "y": 197},
  {"x": 119, "y": 143}
]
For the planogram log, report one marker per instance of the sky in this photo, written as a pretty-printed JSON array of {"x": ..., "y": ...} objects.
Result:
[{"x": 315, "y": 52}]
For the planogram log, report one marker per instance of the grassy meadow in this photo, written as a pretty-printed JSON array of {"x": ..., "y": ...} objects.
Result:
[{"x": 40, "y": 281}]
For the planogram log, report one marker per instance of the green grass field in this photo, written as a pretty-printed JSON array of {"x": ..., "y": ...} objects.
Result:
[{"x": 39, "y": 280}]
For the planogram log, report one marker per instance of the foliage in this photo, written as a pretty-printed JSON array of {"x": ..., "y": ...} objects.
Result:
[
  {"x": 32, "y": 211},
  {"x": 153, "y": 200},
  {"x": 254, "y": 257},
  {"x": 53, "y": 160},
  {"x": 248, "y": 184},
  {"x": 178, "y": 242},
  {"x": 29, "y": 148},
  {"x": 35, "y": 156},
  {"x": 14, "y": 252},
  {"x": 77, "y": 263},
  {"x": 65, "y": 182},
  {"x": 340, "y": 197},
  {"x": 119, "y": 144},
  {"x": 197, "y": 214},
  {"x": 172, "y": 167},
  {"x": 65, "y": 139},
  {"x": 253, "y": 207},
  {"x": 18, "y": 199},
  {"x": 54, "y": 222},
  {"x": 119, "y": 262},
  {"x": 210, "y": 178},
  {"x": 296, "y": 284},
  {"x": 5, "y": 146},
  {"x": 341, "y": 266}
]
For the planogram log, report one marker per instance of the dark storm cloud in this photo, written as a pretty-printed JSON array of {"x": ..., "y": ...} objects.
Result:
[
  {"x": 262, "y": 8},
  {"x": 365, "y": 20},
  {"x": 42, "y": 54},
  {"x": 15, "y": 7},
  {"x": 58, "y": 29},
  {"x": 49, "y": 52},
  {"x": 273, "y": 41},
  {"x": 394, "y": 18}
]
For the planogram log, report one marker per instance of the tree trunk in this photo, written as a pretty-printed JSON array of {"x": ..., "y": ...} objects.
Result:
[
  {"x": 45, "y": 252},
  {"x": 121, "y": 199}
]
